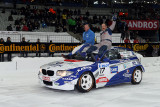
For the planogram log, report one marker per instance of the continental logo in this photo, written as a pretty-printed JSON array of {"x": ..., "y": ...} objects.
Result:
[
  {"x": 62, "y": 47},
  {"x": 138, "y": 47},
  {"x": 126, "y": 46},
  {"x": 15, "y": 48}
]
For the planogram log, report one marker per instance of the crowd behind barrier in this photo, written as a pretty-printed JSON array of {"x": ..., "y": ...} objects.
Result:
[{"x": 39, "y": 48}]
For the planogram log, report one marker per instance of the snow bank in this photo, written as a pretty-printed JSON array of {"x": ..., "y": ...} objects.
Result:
[
  {"x": 20, "y": 88},
  {"x": 27, "y": 64}
]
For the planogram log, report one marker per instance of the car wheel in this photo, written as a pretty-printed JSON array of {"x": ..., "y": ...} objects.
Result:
[
  {"x": 136, "y": 76},
  {"x": 85, "y": 82}
]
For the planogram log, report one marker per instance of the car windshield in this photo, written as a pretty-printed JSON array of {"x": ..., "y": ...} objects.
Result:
[{"x": 111, "y": 54}]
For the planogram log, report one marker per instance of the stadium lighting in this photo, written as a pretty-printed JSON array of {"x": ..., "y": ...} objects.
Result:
[
  {"x": 96, "y": 2},
  {"x": 103, "y": 2}
]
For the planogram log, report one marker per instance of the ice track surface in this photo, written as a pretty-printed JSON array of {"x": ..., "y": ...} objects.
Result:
[{"x": 20, "y": 88}]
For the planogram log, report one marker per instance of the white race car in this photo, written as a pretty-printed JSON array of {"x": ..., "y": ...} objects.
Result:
[{"x": 115, "y": 66}]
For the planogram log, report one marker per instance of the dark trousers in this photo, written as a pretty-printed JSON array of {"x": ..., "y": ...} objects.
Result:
[
  {"x": 9, "y": 56},
  {"x": 24, "y": 53},
  {"x": 51, "y": 54},
  {"x": 1, "y": 57},
  {"x": 38, "y": 54}
]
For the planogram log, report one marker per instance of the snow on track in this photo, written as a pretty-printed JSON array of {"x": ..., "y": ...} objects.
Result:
[{"x": 19, "y": 87}]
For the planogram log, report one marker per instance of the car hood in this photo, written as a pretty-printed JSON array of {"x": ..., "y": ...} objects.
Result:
[{"x": 66, "y": 64}]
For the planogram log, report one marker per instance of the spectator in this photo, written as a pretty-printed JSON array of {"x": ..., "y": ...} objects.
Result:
[
  {"x": 87, "y": 13},
  {"x": 127, "y": 40},
  {"x": 3, "y": 10},
  {"x": 18, "y": 28},
  {"x": 14, "y": 28},
  {"x": 38, "y": 53},
  {"x": 9, "y": 55},
  {"x": 64, "y": 17},
  {"x": 147, "y": 41},
  {"x": 17, "y": 22},
  {"x": 10, "y": 18},
  {"x": 73, "y": 25},
  {"x": 95, "y": 19},
  {"x": 1, "y": 54},
  {"x": 64, "y": 29},
  {"x": 24, "y": 43},
  {"x": 136, "y": 40},
  {"x": 75, "y": 12},
  {"x": 79, "y": 12},
  {"x": 44, "y": 25},
  {"x": 69, "y": 23},
  {"x": 9, "y": 28},
  {"x": 25, "y": 28},
  {"x": 57, "y": 29},
  {"x": 30, "y": 28},
  {"x": 51, "y": 53},
  {"x": 149, "y": 51}
]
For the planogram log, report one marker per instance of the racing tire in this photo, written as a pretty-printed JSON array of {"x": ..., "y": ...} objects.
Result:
[
  {"x": 136, "y": 76},
  {"x": 85, "y": 82}
]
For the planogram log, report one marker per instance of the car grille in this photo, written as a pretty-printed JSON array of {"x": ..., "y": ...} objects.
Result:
[
  {"x": 44, "y": 72},
  {"x": 47, "y": 72},
  {"x": 50, "y": 73},
  {"x": 47, "y": 83}
]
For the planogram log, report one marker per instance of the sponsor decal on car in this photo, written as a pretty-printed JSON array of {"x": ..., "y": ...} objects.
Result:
[
  {"x": 127, "y": 65},
  {"x": 103, "y": 65},
  {"x": 134, "y": 63},
  {"x": 46, "y": 78},
  {"x": 127, "y": 74},
  {"x": 114, "y": 69},
  {"x": 83, "y": 68},
  {"x": 101, "y": 71},
  {"x": 70, "y": 79},
  {"x": 102, "y": 80}
]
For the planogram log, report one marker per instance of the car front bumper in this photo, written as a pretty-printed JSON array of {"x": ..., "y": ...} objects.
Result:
[{"x": 54, "y": 85}]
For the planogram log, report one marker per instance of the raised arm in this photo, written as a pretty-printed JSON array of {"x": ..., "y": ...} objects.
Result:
[
  {"x": 113, "y": 25},
  {"x": 114, "y": 18}
]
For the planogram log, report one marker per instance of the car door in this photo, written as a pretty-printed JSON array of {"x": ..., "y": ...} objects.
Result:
[{"x": 116, "y": 66}]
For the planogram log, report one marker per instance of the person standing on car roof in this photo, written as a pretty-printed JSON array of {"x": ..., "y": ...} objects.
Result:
[
  {"x": 88, "y": 40},
  {"x": 105, "y": 37}
]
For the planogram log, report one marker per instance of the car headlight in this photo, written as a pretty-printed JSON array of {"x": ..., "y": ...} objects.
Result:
[
  {"x": 40, "y": 70},
  {"x": 63, "y": 73}
]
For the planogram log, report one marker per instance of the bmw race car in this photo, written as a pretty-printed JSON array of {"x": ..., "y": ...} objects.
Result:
[{"x": 115, "y": 66}]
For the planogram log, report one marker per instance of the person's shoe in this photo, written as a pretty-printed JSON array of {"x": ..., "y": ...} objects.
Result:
[
  {"x": 66, "y": 56},
  {"x": 93, "y": 57}
]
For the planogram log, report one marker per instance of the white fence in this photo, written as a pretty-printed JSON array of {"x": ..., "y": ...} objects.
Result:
[
  {"x": 43, "y": 36},
  {"x": 47, "y": 36}
]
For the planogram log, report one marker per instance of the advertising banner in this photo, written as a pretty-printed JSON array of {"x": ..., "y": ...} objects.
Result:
[
  {"x": 142, "y": 24},
  {"x": 62, "y": 47}
]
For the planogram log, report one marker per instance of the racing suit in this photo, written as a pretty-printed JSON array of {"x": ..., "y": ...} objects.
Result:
[
  {"x": 106, "y": 41},
  {"x": 89, "y": 40}
]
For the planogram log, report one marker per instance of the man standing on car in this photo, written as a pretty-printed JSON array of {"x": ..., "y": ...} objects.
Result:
[
  {"x": 88, "y": 40},
  {"x": 105, "y": 37}
]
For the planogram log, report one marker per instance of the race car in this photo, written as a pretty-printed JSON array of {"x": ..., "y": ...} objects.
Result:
[{"x": 115, "y": 66}]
